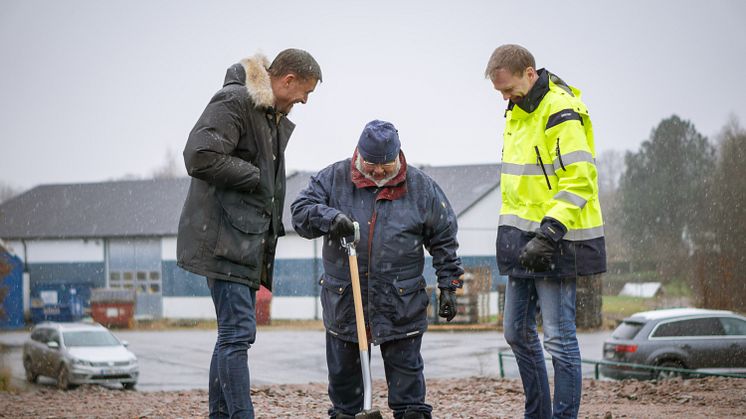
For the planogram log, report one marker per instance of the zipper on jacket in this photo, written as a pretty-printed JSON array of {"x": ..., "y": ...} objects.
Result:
[
  {"x": 371, "y": 228},
  {"x": 559, "y": 156},
  {"x": 540, "y": 163}
]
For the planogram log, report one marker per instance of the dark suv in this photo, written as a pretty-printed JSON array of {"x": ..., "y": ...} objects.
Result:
[{"x": 690, "y": 338}]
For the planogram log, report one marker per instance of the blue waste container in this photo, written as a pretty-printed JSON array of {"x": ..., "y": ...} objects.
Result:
[
  {"x": 11, "y": 291},
  {"x": 57, "y": 304}
]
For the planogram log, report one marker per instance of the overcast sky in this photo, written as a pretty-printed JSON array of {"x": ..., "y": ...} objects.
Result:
[{"x": 96, "y": 90}]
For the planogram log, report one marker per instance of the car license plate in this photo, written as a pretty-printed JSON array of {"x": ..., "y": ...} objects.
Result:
[{"x": 110, "y": 371}]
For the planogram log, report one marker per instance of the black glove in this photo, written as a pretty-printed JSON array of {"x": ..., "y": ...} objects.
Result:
[
  {"x": 447, "y": 304},
  {"x": 537, "y": 254},
  {"x": 341, "y": 227}
]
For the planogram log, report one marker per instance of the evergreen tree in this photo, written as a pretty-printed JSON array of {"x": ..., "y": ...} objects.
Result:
[{"x": 662, "y": 190}]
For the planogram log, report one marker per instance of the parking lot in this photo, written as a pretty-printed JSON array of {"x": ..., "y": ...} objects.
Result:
[{"x": 180, "y": 359}]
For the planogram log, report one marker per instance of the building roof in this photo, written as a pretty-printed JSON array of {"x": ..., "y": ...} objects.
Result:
[
  {"x": 153, "y": 207},
  {"x": 89, "y": 210},
  {"x": 465, "y": 185}
]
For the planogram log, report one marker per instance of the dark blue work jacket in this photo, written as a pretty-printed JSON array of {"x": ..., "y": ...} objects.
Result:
[{"x": 396, "y": 223}]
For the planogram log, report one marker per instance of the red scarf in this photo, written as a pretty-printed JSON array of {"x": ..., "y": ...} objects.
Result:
[{"x": 392, "y": 190}]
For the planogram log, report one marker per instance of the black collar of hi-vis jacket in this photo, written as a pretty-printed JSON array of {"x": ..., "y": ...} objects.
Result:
[{"x": 536, "y": 94}]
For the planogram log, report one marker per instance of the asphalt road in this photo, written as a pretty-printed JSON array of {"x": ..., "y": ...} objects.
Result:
[{"x": 180, "y": 359}]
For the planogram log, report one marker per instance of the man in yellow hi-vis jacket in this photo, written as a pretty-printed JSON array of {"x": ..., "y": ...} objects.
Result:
[{"x": 550, "y": 230}]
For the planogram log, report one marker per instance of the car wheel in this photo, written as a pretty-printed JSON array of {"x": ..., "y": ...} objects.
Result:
[
  {"x": 31, "y": 375},
  {"x": 63, "y": 378},
  {"x": 667, "y": 375},
  {"x": 129, "y": 386}
]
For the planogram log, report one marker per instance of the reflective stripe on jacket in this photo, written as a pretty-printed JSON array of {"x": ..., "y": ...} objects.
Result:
[{"x": 548, "y": 170}]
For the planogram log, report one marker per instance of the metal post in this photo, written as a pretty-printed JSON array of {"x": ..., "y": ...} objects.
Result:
[
  {"x": 316, "y": 279},
  {"x": 500, "y": 363}
]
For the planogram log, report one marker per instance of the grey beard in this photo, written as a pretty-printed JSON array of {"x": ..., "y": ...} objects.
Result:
[{"x": 379, "y": 183}]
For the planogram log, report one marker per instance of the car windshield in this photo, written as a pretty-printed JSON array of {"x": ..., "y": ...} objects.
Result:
[
  {"x": 90, "y": 338},
  {"x": 626, "y": 330}
]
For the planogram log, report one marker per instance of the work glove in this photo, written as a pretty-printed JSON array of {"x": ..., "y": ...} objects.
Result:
[
  {"x": 341, "y": 227},
  {"x": 447, "y": 304},
  {"x": 537, "y": 255}
]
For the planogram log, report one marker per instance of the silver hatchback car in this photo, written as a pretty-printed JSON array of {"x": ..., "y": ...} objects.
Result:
[
  {"x": 688, "y": 338},
  {"x": 78, "y": 353}
]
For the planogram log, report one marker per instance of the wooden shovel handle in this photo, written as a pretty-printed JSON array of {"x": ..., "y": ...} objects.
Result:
[{"x": 362, "y": 336}]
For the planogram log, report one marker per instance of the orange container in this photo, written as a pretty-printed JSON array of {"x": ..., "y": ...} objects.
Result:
[{"x": 113, "y": 313}]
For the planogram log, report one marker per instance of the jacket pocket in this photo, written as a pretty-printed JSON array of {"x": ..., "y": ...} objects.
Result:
[
  {"x": 242, "y": 233},
  {"x": 406, "y": 301},
  {"x": 244, "y": 216},
  {"x": 337, "y": 303}
]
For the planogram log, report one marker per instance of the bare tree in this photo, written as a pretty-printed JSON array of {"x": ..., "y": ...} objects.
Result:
[
  {"x": 610, "y": 166},
  {"x": 170, "y": 168},
  {"x": 7, "y": 192},
  {"x": 720, "y": 277}
]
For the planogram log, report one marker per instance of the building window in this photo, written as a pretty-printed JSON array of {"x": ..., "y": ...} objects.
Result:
[{"x": 135, "y": 263}]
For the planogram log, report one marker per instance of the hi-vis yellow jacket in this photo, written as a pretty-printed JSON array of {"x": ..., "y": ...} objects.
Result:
[{"x": 549, "y": 178}]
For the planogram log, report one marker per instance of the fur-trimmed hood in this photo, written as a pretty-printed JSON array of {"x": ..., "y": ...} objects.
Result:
[{"x": 252, "y": 73}]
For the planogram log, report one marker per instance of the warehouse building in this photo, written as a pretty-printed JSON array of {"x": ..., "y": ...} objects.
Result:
[{"x": 72, "y": 238}]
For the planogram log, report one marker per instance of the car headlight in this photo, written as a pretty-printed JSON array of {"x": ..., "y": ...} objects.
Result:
[{"x": 81, "y": 362}]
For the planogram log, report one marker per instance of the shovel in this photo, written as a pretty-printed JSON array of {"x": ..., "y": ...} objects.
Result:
[{"x": 362, "y": 337}]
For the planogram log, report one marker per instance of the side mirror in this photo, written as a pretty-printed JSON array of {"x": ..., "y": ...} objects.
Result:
[
  {"x": 52, "y": 344},
  {"x": 125, "y": 343}
]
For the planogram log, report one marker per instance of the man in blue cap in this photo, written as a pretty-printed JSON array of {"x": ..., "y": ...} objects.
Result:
[{"x": 401, "y": 211}]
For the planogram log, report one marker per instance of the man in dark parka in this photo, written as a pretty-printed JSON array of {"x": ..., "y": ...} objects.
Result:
[
  {"x": 401, "y": 211},
  {"x": 232, "y": 216}
]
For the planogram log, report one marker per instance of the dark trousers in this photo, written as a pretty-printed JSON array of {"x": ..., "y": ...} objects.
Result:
[
  {"x": 402, "y": 363},
  {"x": 229, "y": 393}
]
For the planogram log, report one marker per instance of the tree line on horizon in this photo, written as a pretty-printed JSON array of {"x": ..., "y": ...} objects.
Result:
[{"x": 675, "y": 209}]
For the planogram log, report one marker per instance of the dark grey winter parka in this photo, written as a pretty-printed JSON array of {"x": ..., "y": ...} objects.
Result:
[{"x": 232, "y": 216}]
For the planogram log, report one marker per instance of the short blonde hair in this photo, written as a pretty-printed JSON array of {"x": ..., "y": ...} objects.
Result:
[{"x": 511, "y": 57}]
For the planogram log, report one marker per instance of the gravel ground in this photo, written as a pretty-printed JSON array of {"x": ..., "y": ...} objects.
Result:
[{"x": 451, "y": 398}]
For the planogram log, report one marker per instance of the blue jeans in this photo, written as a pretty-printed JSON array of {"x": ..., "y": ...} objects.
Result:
[
  {"x": 556, "y": 299},
  {"x": 229, "y": 386},
  {"x": 402, "y": 363}
]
